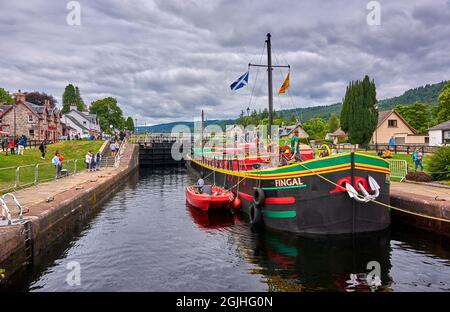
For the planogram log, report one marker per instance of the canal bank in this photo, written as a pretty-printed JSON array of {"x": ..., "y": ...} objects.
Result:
[
  {"x": 55, "y": 208},
  {"x": 421, "y": 205}
]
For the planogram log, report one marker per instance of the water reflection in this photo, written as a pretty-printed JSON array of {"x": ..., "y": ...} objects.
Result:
[
  {"x": 293, "y": 263},
  {"x": 145, "y": 238}
]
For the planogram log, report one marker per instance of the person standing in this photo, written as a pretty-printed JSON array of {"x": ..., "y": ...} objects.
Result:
[
  {"x": 98, "y": 159},
  {"x": 391, "y": 142},
  {"x": 295, "y": 146},
  {"x": 21, "y": 146},
  {"x": 56, "y": 163},
  {"x": 61, "y": 159},
  {"x": 12, "y": 146},
  {"x": 87, "y": 159},
  {"x": 6, "y": 146},
  {"x": 25, "y": 139},
  {"x": 42, "y": 149},
  {"x": 3, "y": 144},
  {"x": 417, "y": 158}
]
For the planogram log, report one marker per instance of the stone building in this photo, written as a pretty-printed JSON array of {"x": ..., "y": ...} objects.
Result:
[{"x": 35, "y": 121}]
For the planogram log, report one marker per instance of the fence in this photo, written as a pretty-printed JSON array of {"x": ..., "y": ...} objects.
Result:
[
  {"x": 30, "y": 143},
  {"x": 14, "y": 178},
  {"x": 399, "y": 168}
]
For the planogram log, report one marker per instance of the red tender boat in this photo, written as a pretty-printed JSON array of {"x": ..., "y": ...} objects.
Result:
[{"x": 219, "y": 198}]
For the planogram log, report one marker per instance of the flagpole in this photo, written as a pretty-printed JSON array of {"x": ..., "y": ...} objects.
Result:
[{"x": 269, "y": 76}]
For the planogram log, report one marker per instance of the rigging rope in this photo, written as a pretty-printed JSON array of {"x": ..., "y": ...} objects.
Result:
[
  {"x": 256, "y": 76},
  {"x": 373, "y": 200}
]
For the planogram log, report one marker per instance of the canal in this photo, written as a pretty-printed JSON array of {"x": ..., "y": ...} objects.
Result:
[{"x": 145, "y": 238}]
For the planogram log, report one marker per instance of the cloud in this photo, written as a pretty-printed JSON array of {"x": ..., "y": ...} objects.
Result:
[{"x": 167, "y": 60}]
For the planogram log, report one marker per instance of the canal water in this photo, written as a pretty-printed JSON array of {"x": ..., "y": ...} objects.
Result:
[{"x": 145, "y": 238}]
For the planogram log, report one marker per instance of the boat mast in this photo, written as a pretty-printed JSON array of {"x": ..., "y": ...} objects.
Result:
[
  {"x": 203, "y": 127},
  {"x": 269, "y": 67},
  {"x": 269, "y": 84}
]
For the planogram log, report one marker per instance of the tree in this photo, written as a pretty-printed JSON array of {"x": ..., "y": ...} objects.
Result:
[
  {"x": 5, "y": 97},
  {"x": 359, "y": 115},
  {"x": 69, "y": 98},
  {"x": 79, "y": 100},
  {"x": 108, "y": 113},
  {"x": 38, "y": 98},
  {"x": 316, "y": 128},
  {"x": 129, "y": 124},
  {"x": 293, "y": 119},
  {"x": 333, "y": 123},
  {"x": 417, "y": 115},
  {"x": 443, "y": 110}
]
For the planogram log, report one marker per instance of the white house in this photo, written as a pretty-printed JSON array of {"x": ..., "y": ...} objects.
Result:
[
  {"x": 440, "y": 134},
  {"x": 82, "y": 123}
]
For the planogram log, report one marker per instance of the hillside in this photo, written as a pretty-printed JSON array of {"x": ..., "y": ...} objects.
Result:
[
  {"x": 167, "y": 127},
  {"x": 427, "y": 94}
]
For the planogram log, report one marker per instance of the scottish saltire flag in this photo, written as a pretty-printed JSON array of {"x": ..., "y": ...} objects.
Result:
[{"x": 240, "y": 82}]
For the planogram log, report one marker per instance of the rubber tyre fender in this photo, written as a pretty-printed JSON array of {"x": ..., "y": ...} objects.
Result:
[
  {"x": 258, "y": 196},
  {"x": 255, "y": 215}
]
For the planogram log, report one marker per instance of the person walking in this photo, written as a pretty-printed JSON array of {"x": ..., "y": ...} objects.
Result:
[
  {"x": 113, "y": 148},
  {"x": 417, "y": 158},
  {"x": 42, "y": 149},
  {"x": 21, "y": 146}
]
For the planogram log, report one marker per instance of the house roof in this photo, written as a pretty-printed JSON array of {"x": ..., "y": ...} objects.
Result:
[
  {"x": 76, "y": 122},
  {"x": 442, "y": 126},
  {"x": 339, "y": 132},
  {"x": 382, "y": 116},
  {"x": 88, "y": 116},
  {"x": 287, "y": 130}
]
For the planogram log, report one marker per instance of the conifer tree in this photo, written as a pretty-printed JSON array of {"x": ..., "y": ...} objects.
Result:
[{"x": 359, "y": 116}]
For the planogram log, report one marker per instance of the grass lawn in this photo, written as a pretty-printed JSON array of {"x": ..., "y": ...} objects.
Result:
[
  {"x": 70, "y": 150},
  {"x": 408, "y": 159}
]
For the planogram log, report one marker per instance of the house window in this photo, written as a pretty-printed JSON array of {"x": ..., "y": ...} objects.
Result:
[
  {"x": 392, "y": 123},
  {"x": 30, "y": 118},
  {"x": 447, "y": 134},
  {"x": 427, "y": 140},
  {"x": 84, "y": 122},
  {"x": 31, "y": 133}
]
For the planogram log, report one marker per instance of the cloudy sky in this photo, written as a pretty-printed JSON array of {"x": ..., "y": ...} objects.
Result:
[{"x": 166, "y": 60}]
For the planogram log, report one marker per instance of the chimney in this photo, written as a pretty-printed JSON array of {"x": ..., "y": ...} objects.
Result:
[
  {"x": 73, "y": 106},
  {"x": 20, "y": 97}
]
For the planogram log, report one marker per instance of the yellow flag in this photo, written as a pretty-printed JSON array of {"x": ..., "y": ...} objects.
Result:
[{"x": 285, "y": 84}]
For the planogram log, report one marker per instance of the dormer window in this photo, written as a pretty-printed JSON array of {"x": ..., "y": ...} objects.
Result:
[{"x": 30, "y": 118}]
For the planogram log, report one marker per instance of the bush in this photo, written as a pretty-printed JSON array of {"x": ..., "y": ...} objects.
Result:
[
  {"x": 419, "y": 177},
  {"x": 439, "y": 164}
]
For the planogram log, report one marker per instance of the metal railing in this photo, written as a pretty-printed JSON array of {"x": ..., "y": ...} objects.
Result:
[
  {"x": 14, "y": 178},
  {"x": 396, "y": 149}
]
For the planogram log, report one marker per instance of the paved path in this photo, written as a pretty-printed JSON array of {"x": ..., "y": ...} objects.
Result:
[
  {"x": 40, "y": 193},
  {"x": 433, "y": 192}
]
